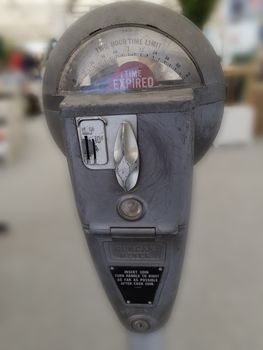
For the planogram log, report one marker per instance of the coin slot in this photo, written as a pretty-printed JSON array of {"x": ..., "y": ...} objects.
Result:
[
  {"x": 94, "y": 150},
  {"x": 87, "y": 148},
  {"x": 92, "y": 138}
]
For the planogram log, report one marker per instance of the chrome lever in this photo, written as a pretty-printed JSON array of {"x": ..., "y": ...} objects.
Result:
[{"x": 126, "y": 157}]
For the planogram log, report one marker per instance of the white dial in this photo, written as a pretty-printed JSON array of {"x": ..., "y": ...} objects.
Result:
[{"x": 127, "y": 58}]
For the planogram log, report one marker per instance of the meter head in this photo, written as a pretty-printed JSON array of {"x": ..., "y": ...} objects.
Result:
[{"x": 134, "y": 95}]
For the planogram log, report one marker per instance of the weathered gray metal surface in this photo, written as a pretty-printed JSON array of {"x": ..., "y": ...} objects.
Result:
[{"x": 175, "y": 127}]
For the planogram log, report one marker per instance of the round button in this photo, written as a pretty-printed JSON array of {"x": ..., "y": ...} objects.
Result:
[{"x": 130, "y": 209}]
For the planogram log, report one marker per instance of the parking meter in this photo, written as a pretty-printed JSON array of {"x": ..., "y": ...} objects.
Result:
[{"x": 134, "y": 96}]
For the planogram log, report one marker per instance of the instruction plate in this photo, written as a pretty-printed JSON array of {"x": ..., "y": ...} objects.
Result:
[{"x": 137, "y": 284}]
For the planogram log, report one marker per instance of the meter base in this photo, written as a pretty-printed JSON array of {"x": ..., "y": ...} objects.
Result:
[{"x": 130, "y": 269}]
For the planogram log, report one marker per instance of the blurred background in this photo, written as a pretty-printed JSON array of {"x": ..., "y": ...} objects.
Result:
[{"x": 50, "y": 296}]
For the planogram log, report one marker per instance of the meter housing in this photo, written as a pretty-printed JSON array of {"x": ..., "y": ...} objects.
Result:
[{"x": 134, "y": 96}]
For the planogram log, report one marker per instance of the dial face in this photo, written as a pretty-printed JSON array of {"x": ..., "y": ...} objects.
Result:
[{"x": 124, "y": 59}]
